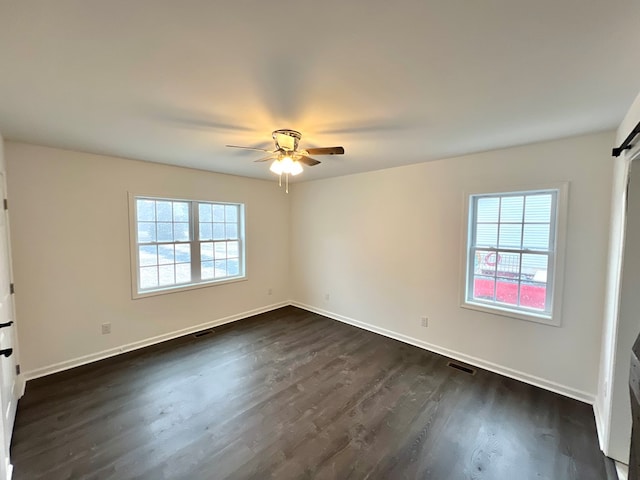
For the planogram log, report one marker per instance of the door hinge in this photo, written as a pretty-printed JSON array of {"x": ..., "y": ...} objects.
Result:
[
  {"x": 6, "y": 204},
  {"x": 17, "y": 369},
  {"x": 12, "y": 288}
]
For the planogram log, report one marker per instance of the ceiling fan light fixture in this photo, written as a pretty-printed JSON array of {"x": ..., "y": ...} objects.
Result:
[
  {"x": 287, "y": 164},
  {"x": 296, "y": 168},
  {"x": 276, "y": 167},
  {"x": 288, "y": 159}
]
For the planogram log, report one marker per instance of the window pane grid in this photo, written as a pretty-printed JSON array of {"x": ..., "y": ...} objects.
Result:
[
  {"x": 220, "y": 259},
  {"x": 511, "y": 247},
  {"x": 516, "y": 285},
  {"x": 170, "y": 250}
]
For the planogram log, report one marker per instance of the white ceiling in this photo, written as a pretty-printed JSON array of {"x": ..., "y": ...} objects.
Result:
[{"x": 394, "y": 82}]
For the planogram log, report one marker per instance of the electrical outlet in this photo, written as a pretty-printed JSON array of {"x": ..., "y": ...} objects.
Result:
[
  {"x": 270, "y": 291},
  {"x": 424, "y": 321},
  {"x": 106, "y": 328},
  {"x": 326, "y": 297}
]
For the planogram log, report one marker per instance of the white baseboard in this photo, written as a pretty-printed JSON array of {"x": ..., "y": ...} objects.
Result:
[
  {"x": 622, "y": 470},
  {"x": 600, "y": 428},
  {"x": 478, "y": 362},
  {"x": 76, "y": 362}
]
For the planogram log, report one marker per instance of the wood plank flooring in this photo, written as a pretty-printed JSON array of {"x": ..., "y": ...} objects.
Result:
[{"x": 293, "y": 395}]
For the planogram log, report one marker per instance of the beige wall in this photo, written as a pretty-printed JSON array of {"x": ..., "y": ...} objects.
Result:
[
  {"x": 386, "y": 247},
  {"x": 70, "y": 236}
]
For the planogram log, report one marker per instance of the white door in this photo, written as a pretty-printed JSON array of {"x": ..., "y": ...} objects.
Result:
[{"x": 8, "y": 393}]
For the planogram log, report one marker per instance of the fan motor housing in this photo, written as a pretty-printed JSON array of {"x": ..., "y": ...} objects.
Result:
[{"x": 286, "y": 139}]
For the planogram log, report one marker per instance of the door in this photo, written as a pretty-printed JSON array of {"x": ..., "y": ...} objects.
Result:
[{"x": 8, "y": 393}]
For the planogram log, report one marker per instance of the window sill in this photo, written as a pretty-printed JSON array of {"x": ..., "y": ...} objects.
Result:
[
  {"x": 182, "y": 288},
  {"x": 517, "y": 314}
]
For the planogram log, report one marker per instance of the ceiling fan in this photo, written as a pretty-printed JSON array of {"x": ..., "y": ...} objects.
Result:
[{"x": 287, "y": 158}]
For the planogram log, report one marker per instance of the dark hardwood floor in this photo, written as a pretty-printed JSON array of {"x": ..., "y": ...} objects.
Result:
[{"x": 289, "y": 395}]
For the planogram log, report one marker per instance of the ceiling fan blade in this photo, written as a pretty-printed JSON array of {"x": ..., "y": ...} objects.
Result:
[
  {"x": 310, "y": 162},
  {"x": 249, "y": 148},
  {"x": 266, "y": 159},
  {"x": 325, "y": 151}
]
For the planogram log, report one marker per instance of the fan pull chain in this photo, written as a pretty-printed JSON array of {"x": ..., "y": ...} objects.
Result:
[{"x": 287, "y": 180}]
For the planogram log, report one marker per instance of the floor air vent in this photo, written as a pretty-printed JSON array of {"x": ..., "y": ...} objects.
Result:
[
  {"x": 462, "y": 368},
  {"x": 203, "y": 333}
]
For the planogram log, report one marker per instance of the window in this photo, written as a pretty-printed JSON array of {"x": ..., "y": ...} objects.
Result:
[
  {"x": 185, "y": 243},
  {"x": 512, "y": 253}
]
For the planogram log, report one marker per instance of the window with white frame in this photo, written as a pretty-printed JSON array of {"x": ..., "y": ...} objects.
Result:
[
  {"x": 185, "y": 243},
  {"x": 512, "y": 253}
]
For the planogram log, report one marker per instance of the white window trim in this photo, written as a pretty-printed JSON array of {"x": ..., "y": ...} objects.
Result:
[
  {"x": 555, "y": 319},
  {"x": 133, "y": 248}
]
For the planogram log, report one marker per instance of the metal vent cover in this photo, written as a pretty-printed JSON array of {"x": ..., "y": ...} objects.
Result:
[{"x": 462, "y": 368}]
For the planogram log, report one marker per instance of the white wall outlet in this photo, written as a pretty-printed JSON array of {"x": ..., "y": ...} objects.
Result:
[
  {"x": 106, "y": 328},
  {"x": 326, "y": 297},
  {"x": 424, "y": 321}
]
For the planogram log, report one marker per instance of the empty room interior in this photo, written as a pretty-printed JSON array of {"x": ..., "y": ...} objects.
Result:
[{"x": 330, "y": 240}]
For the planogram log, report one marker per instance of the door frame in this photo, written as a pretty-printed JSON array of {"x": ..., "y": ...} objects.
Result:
[
  {"x": 613, "y": 396},
  {"x": 6, "y": 430}
]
